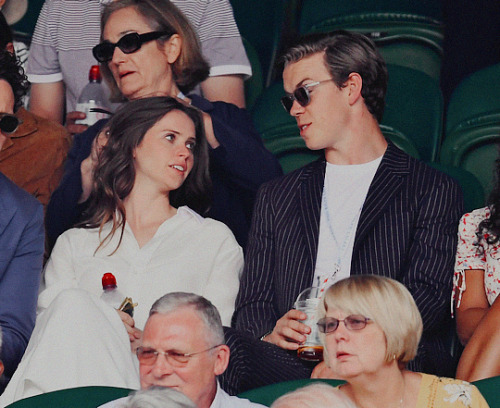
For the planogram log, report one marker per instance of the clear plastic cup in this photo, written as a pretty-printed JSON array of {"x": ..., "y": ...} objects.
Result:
[{"x": 307, "y": 302}]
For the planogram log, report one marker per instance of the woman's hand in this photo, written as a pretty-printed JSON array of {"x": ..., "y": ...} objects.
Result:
[
  {"x": 73, "y": 127},
  {"x": 88, "y": 165},
  {"x": 289, "y": 333},
  {"x": 134, "y": 334}
]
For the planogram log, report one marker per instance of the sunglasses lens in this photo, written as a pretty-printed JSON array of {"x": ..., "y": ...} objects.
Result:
[
  {"x": 103, "y": 52},
  {"x": 302, "y": 96},
  {"x": 9, "y": 124},
  {"x": 287, "y": 102},
  {"x": 129, "y": 43}
]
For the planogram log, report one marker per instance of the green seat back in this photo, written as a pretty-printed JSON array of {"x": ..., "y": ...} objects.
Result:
[
  {"x": 255, "y": 84},
  {"x": 473, "y": 126},
  {"x": 408, "y": 33},
  {"x": 268, "y": 394},
  {"x": 490, "y": 388},
  {"x": 24, "y": 28},
  {"x": 260, "y": 23},
  {"x": 414, "y": 107},
  {"x": 82, "y": 397}
]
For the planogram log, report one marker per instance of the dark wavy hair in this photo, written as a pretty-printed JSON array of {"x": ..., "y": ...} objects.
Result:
[
  {"x": 489, "y": 228},
  {"x": 347, "y": 52},
  {"x": 114, "y": 175},
  {"x": 190, "y": 68},
  {"x": 12, "y": 72}
]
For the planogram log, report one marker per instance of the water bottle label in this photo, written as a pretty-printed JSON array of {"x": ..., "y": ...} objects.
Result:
[{"x": 92, "y": 117}]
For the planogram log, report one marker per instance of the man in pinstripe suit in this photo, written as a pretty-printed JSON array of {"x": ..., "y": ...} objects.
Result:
[{"x": 367, "y": 208}]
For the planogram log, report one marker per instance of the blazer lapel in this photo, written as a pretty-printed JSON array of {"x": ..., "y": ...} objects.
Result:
[
  {"x": 393, "y": 168},
  {"x": 311, "y": 189},
  {"x": 6, "y": 211}
]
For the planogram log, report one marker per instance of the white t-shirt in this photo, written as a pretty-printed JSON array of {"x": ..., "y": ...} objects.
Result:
[{"x": 344, "y": 193}]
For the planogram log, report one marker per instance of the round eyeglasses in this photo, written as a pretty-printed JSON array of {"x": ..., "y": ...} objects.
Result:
[
  {"x": 352, "y": 322},
  {"x": 9, "y": 123},
  {"x": 302, "y": 95},
  {"x": 129, "y": 43},
  {"x": 148, "y": 356}
]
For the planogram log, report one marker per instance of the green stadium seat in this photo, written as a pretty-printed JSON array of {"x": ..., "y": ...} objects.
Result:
[
  {"x": 473, "y": 126},
  {"x": 268, "y": 394},
  {"x": 81, "y": 397},
  {"x": 490, "y": 388},
  {"x": 409, "y": 33}
]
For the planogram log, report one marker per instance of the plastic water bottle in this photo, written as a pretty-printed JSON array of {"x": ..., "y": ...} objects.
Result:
[
  {"x": 93, "y": 96},
  {"x": 111, "y": 295}
]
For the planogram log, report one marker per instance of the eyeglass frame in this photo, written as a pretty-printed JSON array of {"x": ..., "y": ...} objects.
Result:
[
  {"x": 322, "y": 323},
  {"x": 9, "y": 115},
  {"x": 171, "y": 354},
  {"x": 140, "y": 39},
  {"x": 293, "y": 96}
]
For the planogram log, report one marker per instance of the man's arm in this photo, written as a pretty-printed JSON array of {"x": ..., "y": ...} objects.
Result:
[
  {"x": 225, "y": 88},
  {"x": 19, "y": 284},
  {"x": 47, "y": 100},
  {"x": 432, "y": 254}
]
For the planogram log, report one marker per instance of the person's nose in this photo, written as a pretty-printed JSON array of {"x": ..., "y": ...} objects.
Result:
[
  {"x": 183, "y": 151},
  {"x": 118, "y": 56},
  {"x": 162, "y": 366},
  {"x": 296, "y": 109},
  {"x": 342, "y": 333}
]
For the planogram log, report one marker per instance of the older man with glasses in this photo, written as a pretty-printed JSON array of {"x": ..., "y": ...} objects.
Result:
[
  {"x": 21, "y": 237},
  {"x": 183, "y": 348}
]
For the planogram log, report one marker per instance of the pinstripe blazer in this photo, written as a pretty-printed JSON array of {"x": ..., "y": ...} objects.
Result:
[{"x": 406, "y": 231}]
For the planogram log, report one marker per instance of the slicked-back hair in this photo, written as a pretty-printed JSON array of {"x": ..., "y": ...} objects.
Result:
[
  {"x": 207, "y": 312},
  {"x": 346, "y": 52},
  {"x": 12, "y": 72},
  {"x": 387, "y": 303},
  {"x": 190, "y": 68},
  {"x": 114, "y": 175}
]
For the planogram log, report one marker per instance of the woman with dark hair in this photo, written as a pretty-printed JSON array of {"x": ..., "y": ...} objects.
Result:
[
  {"x": 476, "y": 289},
  {"x": 148, "y": 48},
  {"x": 142, "y": 229}
]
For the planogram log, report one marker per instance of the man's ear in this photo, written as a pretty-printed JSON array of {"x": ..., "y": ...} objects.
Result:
[
  {"x": 222, "y": 359},
  {"x": 172, "y": 48},
  {"x": 354, "y": 85}
]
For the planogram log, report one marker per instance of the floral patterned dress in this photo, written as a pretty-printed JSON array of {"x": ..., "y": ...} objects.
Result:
[
  {"x": 474, "y": 255},
  {"x": 440, "y": 392}
]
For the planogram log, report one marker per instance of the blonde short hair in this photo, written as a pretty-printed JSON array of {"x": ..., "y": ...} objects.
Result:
[
  {"x": 387, "y": 303},
  {"x": 316, "y": 395}
]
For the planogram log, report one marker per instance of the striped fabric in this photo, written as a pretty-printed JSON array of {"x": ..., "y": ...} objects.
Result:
[
  {"x": 407, "y": 231},
  {"x": 211, "y": 20}
]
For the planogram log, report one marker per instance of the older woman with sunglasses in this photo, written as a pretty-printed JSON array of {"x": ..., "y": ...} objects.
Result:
[
  {"x": 371, "y": 329},
  {"x": 149, "y": 48}
]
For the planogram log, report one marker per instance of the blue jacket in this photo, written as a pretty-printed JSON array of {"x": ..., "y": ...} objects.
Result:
[
  {"x": 237, "y": 167},
  {"x": 21, "y": 257}
]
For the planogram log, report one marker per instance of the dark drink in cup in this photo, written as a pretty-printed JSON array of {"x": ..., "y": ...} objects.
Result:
[{"x": 310, "y": 353}]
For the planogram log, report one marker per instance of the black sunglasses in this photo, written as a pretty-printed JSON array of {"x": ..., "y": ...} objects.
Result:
[
  {"x": 9, "y": 123},
  {"x": 301, "y": 95},
  {"x": 129, "y": 43}
]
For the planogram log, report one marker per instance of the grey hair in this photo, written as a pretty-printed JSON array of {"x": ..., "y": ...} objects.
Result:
[
  {"x": 208, "y": 313},
  {"x": 347, "y": 52},
  {"x": 316, "y": 395},
  {"x": 159, "y": 397}
]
